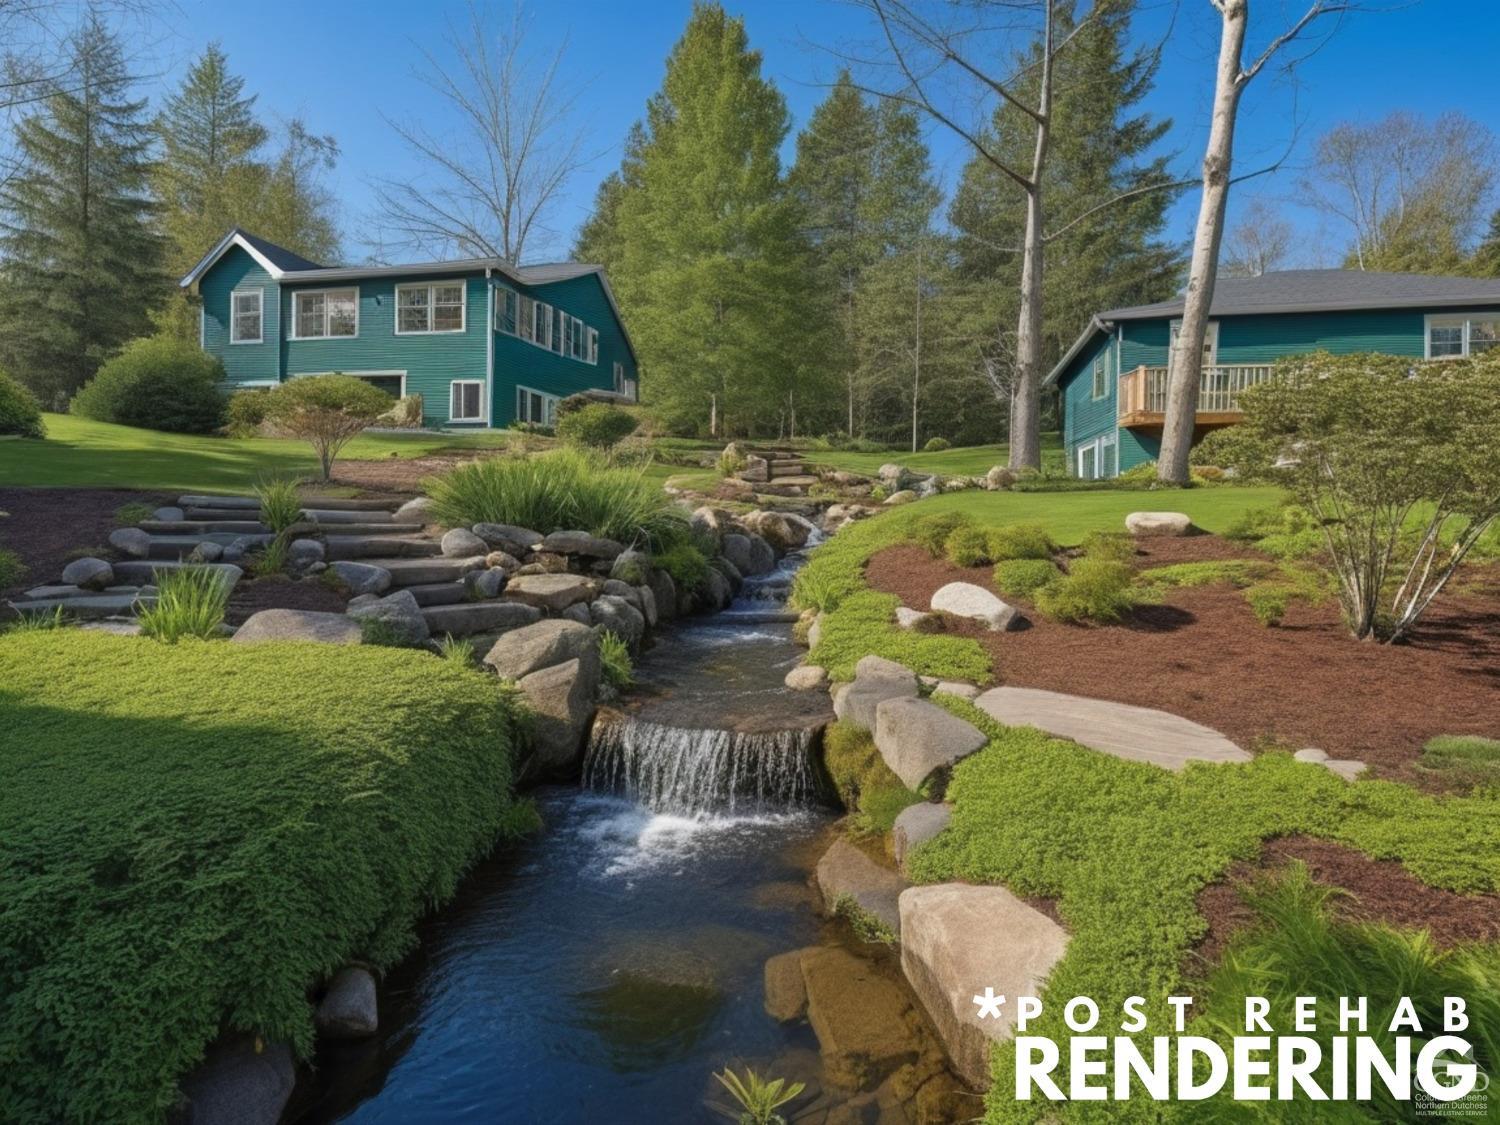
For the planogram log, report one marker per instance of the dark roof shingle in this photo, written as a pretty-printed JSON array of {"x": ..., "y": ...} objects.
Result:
[
  {"x": 1318, "y": 290},
  {"x": 283, "y": 258}
]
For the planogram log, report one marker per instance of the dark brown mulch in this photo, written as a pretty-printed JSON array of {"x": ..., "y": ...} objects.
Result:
[
  {"x": 394, "y": 475},
  {"x": 46, "y": 524},
  {"x": 1202, "y": 654},
  {"x": 276, "y": 592},
  {"x": 1379, "y": 890}
]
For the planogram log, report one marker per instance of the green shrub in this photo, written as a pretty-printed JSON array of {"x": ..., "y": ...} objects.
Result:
[
  {"x": 246, "y": 412},
  {"x": 196, "y": 842},
  {"x": 1117, "y": 546},
  {"x": 12, "y": 569},
  {"x": 1096, "y": 590},
  {"x": 686, "y": 564},
  {"x": 562, "y": 490},
  {"x": 1235, "y": 572},
  {"x": 1022, "y": 578},
  {"x": 932, "y": 531},
  {"x": 614, "y": 659},
  {"x": 157, "y": 383},
  {"x": 1269, "y": 603},
  {"x": 20, "y": 413},
  {"x": 731, "y": 461},
  {"x": 190, "y": 602},
  {"x": 1021, "y": 541},
  {"x": 280, "y": 504},
  {"x": 326, "y": 411},
  {"x": 937, "y": 445},
  {"x": 967, "y": 546},
  {"x": 597, "y": 425}
]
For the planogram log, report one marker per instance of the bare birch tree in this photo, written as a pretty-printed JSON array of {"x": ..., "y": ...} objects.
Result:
[
  {"x": 1185, "y": 363},
  {"x": 498, "y": 173},
  {"x": 1259, "y": 243}
]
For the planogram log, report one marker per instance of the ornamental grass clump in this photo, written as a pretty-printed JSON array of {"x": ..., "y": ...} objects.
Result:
[
  {"x": 190, "y": 602},
  {"x": 614, "y": 661},
  {"x": 280, "y": 505}
]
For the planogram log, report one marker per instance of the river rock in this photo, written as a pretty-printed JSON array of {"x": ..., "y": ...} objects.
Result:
[
  {"x": 550, "y": 592},
  {"x": 206, "y": 552},
  {"x": 807, "y": 677},
  {"x": 783, "y": 530},
  {"x": 847, "y": 873},
  {"x": 730, "y": 572},
  {"x": 762, "y": 558},
  {"x": 648, "y": 605},
  {"x": 896, "y": 477},
  {"x": 419, "y": 509},
  {"x": 461, "y": 543},
  {"x": 561, "y": 701},
  {"x": 905, "y": 496},
  {"x": 964, "y": 599},
  {"x": 709, "y": 526},
  {"x": 617, "y": 589},
  {"x": 786, "y": 990},
  {"x": 875, "y": 680},
  {"x": 531, "y": 648},
  {"x": 664, "y": 589},
  {"x": 485, "y": 584},
  {"x": 302, "y": 553},
  {"x": 400, "y": 617},
  {"x": 361, "y": 578},
  {"x": 862, "y": 1018},
  {"x": 298, "y": 625},
  {"x": 508, "y": 537},
  {"x": 239, "y": 1082},
  {"x": 631, "y": 566},
  {"x": 956, "y": 688},
  {"x": 169, "y": 514},
  {"x": 88, "y": 574},
  {"x": 583, "y": 544},
  {"x": 917, "y": 824},
  {"x": 1158, "y": 523},
  {"x": 615, "y": 615},
  {"x": 918, "y": 738},
  {"x": 131, "y": 541},
  {"x": 908, "y": 618},
  {"x": 349, "y": 1008},
  {"x": 502, "y": 560},
  {"x": 957, "y": 940},
  {"x": 578, "y": 613}
]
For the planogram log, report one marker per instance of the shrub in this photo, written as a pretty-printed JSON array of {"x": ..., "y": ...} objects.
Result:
[
  {"x": 157, "y": 383},
  {"x": 937, "y": 445},
  {"x": 1269, "y": 603},
  {"x": 280, "y": 505},
  {"x": 246, "y": 412},
  {"x": 1021, "y": 541},
  {"x": 20, "y": 413},
  {"x": 1095, "y": 590},
  {"x": 686, "y": 564},
  {"x": 598, "y": 425},
  {"x": 614, "y": 660},
  {"x": 967, "y": 546},
  {"x": 12, "y": 569},
  {"x": 932, "y": 531},
  {"x": 565, "y": 489},
  {"x": 265, "y": 814},
  {"x": 1117, "y": 546},
  {"x": 326, "y": 411},
  {"x": 731, "y": 461},
  {"x": 1022, "y": 578},
  {"x": 190, "y": 602},
  {"x": 1286, "y": 530}
]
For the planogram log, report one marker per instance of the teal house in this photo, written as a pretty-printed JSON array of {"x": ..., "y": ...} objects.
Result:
[
  {"x": 1113, "y": 380},
  {"x": 484, "y": 342}
]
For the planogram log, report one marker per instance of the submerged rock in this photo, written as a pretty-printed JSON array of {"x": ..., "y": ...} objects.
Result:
[
  {"x": 786, "y": 990},
  {"x": 865, "y": 1024}
]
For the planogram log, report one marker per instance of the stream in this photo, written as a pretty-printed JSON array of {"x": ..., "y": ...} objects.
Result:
[{"x": 604, "y": 969}]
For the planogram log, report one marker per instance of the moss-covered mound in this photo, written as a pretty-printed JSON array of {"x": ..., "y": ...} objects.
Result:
[{"x": 195, "y": 834}]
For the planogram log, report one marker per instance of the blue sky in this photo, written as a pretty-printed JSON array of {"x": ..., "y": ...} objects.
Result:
[{"x": 339, "y": 65}]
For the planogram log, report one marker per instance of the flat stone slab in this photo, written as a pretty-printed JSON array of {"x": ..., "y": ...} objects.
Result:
[
  {"x": 466, "y": 618},
  {"x": 554, "y": 592},
  {"x": 142, "y": 571},
  {"x": 298, "y": 625},
  {"x": 251, "y": 503},
  {"x": 1137, "y": 734},
  {"x": 87, "y": 606},
  {"x": 424, "y": 572},
  {"x": 918, "y": 739},
  {"x": 956, "y": 941},
  {"x": 845, "y": 872}
]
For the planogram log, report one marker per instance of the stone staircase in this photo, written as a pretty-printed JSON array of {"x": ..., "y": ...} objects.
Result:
[{"x": 776, "y": 472}]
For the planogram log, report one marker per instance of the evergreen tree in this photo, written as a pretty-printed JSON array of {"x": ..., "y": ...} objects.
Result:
[
  {"x": 1486, "y": 259},
  {"x": 82, "y": 263}
]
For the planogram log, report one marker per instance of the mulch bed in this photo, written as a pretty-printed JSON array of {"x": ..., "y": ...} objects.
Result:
[
  {"x": 395, "y": 475},
  {"x": 1202, "y": 654},
  {"x": 1379, "y": 890},
  {"x": 276, "y": 592},
  {"x": 45, "y": 525}
]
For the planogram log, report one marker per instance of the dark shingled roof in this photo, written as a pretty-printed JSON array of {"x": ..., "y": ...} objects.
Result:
[
  {"x": 280, "y": 255},
  {"x": 1317, "y": 290}
]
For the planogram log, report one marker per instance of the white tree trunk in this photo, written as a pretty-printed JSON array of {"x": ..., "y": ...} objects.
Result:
[
  {"x": 916, "y": 371},
  {"x": 1185, "y": 362}
]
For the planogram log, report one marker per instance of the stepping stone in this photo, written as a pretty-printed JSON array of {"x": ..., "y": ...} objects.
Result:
[
  {"x": 918, "y": 739},
  {"x": 87, "y": 606},
  {"x": 216, "y": 515},
  {"x": 423, "y": 572},
  {"x": 1137, "y": 734},
  {"x": 179, "y": 546},
  {"x": 142, "y": 572},
  {"x": 439, "y": 593},
  {"x": 298, "y": 625},
  {"x": 376, "y": 530},
  {"x": 200, "y": 527},
  {"x": 49, "y": 593},
  {"x": 371, "y": 546},
  {"x": 465, "y": 618},
  {"x": 168, "y": 515},
  {"x": 343, "y": 515},
  {"x": 1347, "y": 768},
  {"x": 845, "y": 872},
  {"x": 240, "y": 502},
  {"x": 956, "y": 941},
  {"x": 916, "y": 824}
]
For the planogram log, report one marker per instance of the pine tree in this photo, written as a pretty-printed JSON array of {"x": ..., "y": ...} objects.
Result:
[
  {"x": 1486, "y": 259},
  {"x": 82, "y": 264}
]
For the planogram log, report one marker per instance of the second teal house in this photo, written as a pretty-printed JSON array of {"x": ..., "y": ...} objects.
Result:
[
  {"x": 484, "y": 342},
  {"x": 1113, "y": 380}
]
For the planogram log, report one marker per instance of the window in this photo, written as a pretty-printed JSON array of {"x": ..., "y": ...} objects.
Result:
[
  {"x": 430, "y": 308},
  {"x": 1210, "y": 341},
  {"x": 619, "y": 378},
  {"x": 1462, "y": 334},
  {"x": 466, "y": 400},
  {"x": 543, "y": 325},
  {"x": 325, "y": 313},
  {"x": 507, "y": 311},
  {"x": 1099, "y": 459},
  {"x": 1101, "y": 387},
  {"x": 526, "y": 319},
  {"x": 246, "y": 308},
  {"x": 535, "y": 407},
  {"x": 592, "y": 354}
]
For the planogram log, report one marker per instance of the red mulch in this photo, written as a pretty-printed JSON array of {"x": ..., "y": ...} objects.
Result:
[
  {"x": 277, "y": 592},
  {"x": 46, "y": 524},
  {"x": 1202, "y": 654},
  {"x": 1380, "y": 890}
]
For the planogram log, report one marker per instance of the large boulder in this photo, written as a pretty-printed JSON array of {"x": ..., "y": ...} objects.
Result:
[
  {"x": 415, "y": 511},
  {"x": 582, "y": 544},
  {"x": 461, "y": 543},
  {"x": 736, "y": 548},
  {"x": 614, "y": 614},
  {"x": 916, "y": 824},
  {"x": 361, "y": 578},
  {"x": 531, "y": 648},
  {"x": 550, "y": 592},
  {"x": 783, "y": 530},
  {"x": 710, "y": 526},
  {"x": 241, "y": 1082},
  {"x": 561, "y": 701},
  {"x": 847, "y": 874},
  {"x": 1147, "y": 524},
  {"x": 917, "y": 738},
  {"x": 398, "y": 617},
  {"x": 298, "y": 625},
  {"x": 508, "y": 537},
  {"x": 895, "y": 477},
  {"x": 999, "y": 478},
  {"x": 875, "y": 680},
  {"x": 349, "y": 1008},
  {"x": 131, "y": 541},
  {"x": 956, "y": 941},
  {"x": 88, "y": 574},
  {"x": 964, "y": 599}
]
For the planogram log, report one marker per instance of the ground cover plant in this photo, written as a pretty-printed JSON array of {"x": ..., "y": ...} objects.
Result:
[
  {"x": 159, "y": 383},
  {"x": 192, "y": 841},
  {"x": 872, "y": 793},
  {"x": 1465, "y": 761},
  {"x": 1101, "y": 591},
  {"x": 1022, "y": 578},
  {"x": 326, "y": 411},
  {"x": 1124, "y": 847}
]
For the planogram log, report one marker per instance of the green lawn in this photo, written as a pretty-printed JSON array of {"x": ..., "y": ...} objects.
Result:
[
  {"x": 84, "y": 454},
  {"x": 962, "y": 461}
]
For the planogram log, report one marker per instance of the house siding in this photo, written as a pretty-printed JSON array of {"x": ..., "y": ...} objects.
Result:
[
  {"x": 243, "y": 363},
  {"x": 1085, "y": 417}
]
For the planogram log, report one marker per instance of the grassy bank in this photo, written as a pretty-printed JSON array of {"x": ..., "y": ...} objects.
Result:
[
  {"x": 196, "y": 834},
  {"x": 962, "y": 461}
]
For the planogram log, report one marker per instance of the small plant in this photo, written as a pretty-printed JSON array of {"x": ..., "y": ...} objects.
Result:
[
  {"x": 273, "y": 557},
  {"x": 932, "y": 531},
  {"x": 38, "y": 622},
  {"x": 460, "y": 650},
  {"x": 865, "y": 925},
  {"x": 686, "y": 564},
  {"x": 128, "y": 515},
  {"x": 1022, "y": 578},
  {"x": 757, "y": 1098},
  {"x": 879, "y": 493},
  {"x": 937, "y": 445},
  {"x": 326, "y": 411},
  {"x": 190, "y": 602},
  {"x": 1021, "y": 541},
  {"x": 20, "y": 413},
  {"x": 1096, "y": 590},
  {"x": 731, "y": 461},
  {"x": 614, "y": 659},
  {"x": 967, "y": 546},
  {"x": 816, "y": 588},
  {"x": 597, "y": 425},
  {"x": 280, "y": 506},
  {"x": 12, "y": 569},
  {"x": 1117, "y": 546},
  {"x": 1269, "y": 602}
]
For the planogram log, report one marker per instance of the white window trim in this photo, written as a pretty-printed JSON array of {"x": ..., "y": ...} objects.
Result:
[
  {"x": 544, "y": 395},
  {"x": 260, "y": 315},
  {"x": 430, "y": 286},
  {"x": 480, "y": 417},
  {"x": 1098, "y": 445},
  {"x": 292, "y": 333},
  {"x": 1099, "y": 376},
  {"x": 1449, "y": 320},
  {"x": 356, "y": 374}
]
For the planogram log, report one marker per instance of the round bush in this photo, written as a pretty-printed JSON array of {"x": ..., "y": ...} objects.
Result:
[
  {"x": 19, "y": 410},
  {"x": 1021, "y": 541},
  {"x": 967, "y": 546},
  {"x": 1097, "y": 590},
  {"x": 158, "y": 384},
  {"x": 937, "y": 445},
  {"x": 598, "y": 425},
  {"x": 246, "y": 411},
  {"x": 1022, "y": 578}
]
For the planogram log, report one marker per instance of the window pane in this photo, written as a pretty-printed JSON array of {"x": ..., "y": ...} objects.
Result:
[
  {"x": 471, "y": 400},
  {"x": 1447, "y": 339},
  {"x": 455, "y": 400},
  {"x": 411, "y": 298},
  {"x": 309, "y": 314},
  {"x": 449, "y": 318},
  {"x": 343, "y": 312},
  {"x": 1483, "y": 335},
  {"x": 452, "y": 294}
]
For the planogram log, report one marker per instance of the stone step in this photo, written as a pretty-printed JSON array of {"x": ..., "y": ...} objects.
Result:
[
  {"x": 88, "y": 607},
  {"x": 341, "y": 516},
  {"x": 201, "y": 527},
  {"x": 375, "y": 546},
  {"x": 238, "y": 503},
  {"x": 343, "y": 504},
  {"x": 423, "y": 572},
  {"x": 785, "y": 469},
  {"x": 439, "y": 593},
  {"x": 466, "y": 618},
  {"x": 60, "y": 591},
  {"x": 141, "y": 571},
  {"x": 217, "y": 515},
  {"x": 179, "y": 546},
  {"x": 380, "y": 530}
]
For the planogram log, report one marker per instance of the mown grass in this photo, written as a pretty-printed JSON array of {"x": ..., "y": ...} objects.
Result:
[
  {"x": 1125, "y": 847},
  {"x": 196, "y": 835},
  {"x": 960, "y": 461}
]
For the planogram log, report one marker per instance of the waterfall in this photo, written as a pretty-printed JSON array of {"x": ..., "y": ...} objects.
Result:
[{"x": 690, "y": 772}]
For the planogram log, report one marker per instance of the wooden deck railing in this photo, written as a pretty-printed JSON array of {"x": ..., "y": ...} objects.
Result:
[{"x": 1143, "y": 392}]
